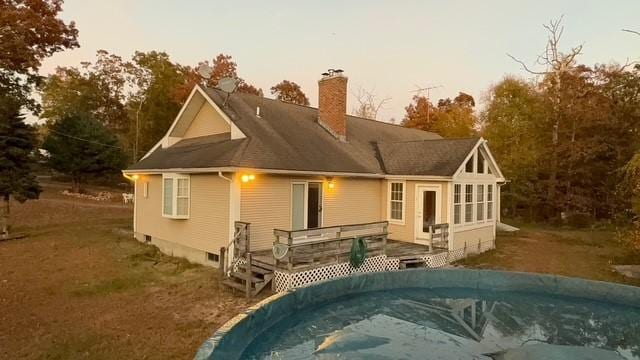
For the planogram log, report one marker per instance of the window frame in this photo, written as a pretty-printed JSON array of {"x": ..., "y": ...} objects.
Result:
[
  {"x": 480, "y": 203},
  {"x": 468, "y": 203},
  {"x": 403, "y": 201},
  {"x": 174, "y": 195},
  {"x": 489, "y": 215},
  {"x": 457, "y": 205}
]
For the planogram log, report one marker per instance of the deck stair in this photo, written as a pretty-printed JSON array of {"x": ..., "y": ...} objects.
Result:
[
  {"x": 251, "y": 282},
  {"x": 243, "y": 273}
]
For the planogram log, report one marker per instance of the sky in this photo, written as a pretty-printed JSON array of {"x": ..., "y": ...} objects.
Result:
[{"x": 388, "y": 47}]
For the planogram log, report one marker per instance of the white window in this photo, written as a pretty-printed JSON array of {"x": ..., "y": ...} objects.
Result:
[
  {"x": 468, "y": 203},
  {"x": 396, "y": 201},
  {"x": 480, "y": 203},
  {"x": 481, "y": 163},
  {"x": 489, "y": 202},
  {"x": 468, "y": 167},
  {"x": 457, "y": 203},
  {"x": 175, "y": 196}
]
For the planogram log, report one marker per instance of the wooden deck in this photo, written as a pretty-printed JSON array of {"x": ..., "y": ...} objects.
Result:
[{"x": 401, "y": 250}]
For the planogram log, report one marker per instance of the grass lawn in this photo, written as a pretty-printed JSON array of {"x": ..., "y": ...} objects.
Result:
[
  {"x": 80, "y": 287},
  {"x": 586, "y": 254}
]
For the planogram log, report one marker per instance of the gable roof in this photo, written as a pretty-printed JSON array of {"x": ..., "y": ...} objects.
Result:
[{"x": 288, "y": 137}]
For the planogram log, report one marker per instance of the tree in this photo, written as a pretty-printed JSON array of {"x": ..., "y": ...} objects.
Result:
[
  {"x": 509, "y": 122},
  {"x": 289, "y": 91},
  {"x": 368, "y": 103},
  {"x": 556, "y": 63},
  {"x": 29, "y": 32},
  {"x": 450, "y": 119},
  {"x": 81, "y": 147},
  {"x": 223, "y": 66},
  {"x": 96, "y": 90},
  {"x": 159, "y": 94},
  {"x": 17, "y": 180}
]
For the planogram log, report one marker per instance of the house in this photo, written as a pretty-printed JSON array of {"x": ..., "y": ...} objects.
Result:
[{"x": 234, "y": 159}]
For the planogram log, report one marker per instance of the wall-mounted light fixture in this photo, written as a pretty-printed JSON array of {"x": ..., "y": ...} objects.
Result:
[
  {"x": 330, "y": 183},
  {"x": 247, "y": 177},
  {"x": 133, "y": 177}
]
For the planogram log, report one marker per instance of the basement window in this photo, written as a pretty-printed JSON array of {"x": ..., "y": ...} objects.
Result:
[
  {"x": 176, "y": 196},
  {"x": 213, "y": 257},
  {"x": 147, "y": 238}
]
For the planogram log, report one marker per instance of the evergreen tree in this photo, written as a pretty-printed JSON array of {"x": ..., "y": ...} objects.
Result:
[
  {"x": 17, "y": 180},
  {"x": 81, "y": 147}
]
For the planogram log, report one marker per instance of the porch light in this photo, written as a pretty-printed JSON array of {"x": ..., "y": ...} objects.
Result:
[
  {"x": 133, "y": 177},
  {"x": 247, "y": 177},
  {"x": 331, "y": 184}
]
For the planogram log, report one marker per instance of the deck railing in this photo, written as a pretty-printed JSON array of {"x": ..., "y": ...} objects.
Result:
[
  {"x": 308, "y": 249},
  {"x": 237, "y": 248},
  {"x": 438, "y": 236}
]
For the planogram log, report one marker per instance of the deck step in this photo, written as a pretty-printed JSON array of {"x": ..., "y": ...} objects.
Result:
[
  {"x": 245, "y": 276},
  {"x": 256, "y": 269},
  {"x": 412, "y": 261},
  {"x": 236, "y": 285}
]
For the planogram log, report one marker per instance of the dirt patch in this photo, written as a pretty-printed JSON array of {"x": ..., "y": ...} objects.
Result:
[
  {"x": 80, "y": 287},
  {"x": 585, "y": 254}
]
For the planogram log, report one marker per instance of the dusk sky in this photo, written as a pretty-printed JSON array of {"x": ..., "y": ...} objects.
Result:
[{"x": 388, "y": 46}]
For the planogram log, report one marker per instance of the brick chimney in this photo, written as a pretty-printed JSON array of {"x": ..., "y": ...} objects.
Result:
[{"x": 332, "y": 103}]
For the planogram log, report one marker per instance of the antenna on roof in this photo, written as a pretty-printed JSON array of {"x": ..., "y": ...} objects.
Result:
[{"x": 229, "y": 86}]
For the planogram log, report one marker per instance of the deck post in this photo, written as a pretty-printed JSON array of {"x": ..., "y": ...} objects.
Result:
[
  {"x": 430, "y": 238},
  {"x": 290, "y": 252},
  {"x": 247, "y": 236},
  {"x": 247, "y": 280},
  {"x": 384, "y": 239},
  {"x": 222, "y": 263}
]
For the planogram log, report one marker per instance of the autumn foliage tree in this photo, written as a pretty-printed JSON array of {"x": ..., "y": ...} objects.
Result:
[
  {"x": 223, "y": 66},
  {"x": 289, "y": 91},
  {"x": 450, "y": 119}
]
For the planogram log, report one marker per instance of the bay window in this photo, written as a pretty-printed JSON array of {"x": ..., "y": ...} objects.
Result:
[{"x": 175, "y": 196}]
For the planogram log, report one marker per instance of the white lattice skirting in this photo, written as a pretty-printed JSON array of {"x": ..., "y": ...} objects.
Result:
[
  {"x": 286, "y": 280},
  {"x": 447, "y": 257}
]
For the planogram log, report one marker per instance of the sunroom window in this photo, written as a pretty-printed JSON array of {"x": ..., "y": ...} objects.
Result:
[
  {"x": 468, "y": 203},
  {"x": 489, "y": 202},
  {"x": 175, "y": 196},
  {"x": 480, "y": 202},
  {"x": 457, "y": 204}
]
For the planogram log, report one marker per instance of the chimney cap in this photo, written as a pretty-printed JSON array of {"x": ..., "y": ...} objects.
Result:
[{"x": 332, "y": 72}]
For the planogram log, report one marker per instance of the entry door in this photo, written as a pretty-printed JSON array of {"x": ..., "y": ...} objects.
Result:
[
  {"x": 306, "y": 205},
  {"x": 428, "y": 207}
]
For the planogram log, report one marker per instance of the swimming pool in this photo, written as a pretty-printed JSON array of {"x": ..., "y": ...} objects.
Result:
[{"x": 438, "y": 314}]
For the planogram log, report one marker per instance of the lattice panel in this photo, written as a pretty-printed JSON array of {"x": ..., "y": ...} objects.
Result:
[
  {"x": 456, "y": 255},
  {"x": 282, "y": 281},
  {"x": 393, "y": 264},
  {"x": 436, "y": 260},
  {"x": 285, "y": 281}
]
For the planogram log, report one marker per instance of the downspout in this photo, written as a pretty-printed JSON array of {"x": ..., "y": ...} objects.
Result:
[
  {"x": 224, "y": 177},
  {"x": 230, "y": 249}
]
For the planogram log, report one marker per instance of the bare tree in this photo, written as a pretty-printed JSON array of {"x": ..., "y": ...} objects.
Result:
[
  {"x": 632, "y": 31},
  {"x": 368, "y": 103},
  {"x": 556, "y": 63}
]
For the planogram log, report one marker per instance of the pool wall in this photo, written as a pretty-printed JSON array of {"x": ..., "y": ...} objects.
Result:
[{"x": 231, "y": 339}]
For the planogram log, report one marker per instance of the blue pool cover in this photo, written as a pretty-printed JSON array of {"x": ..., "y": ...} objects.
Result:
[{"x": 447, "y": 314}]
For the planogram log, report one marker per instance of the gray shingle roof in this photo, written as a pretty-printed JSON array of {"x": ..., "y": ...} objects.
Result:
[{"x": 288, "y": 137}]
